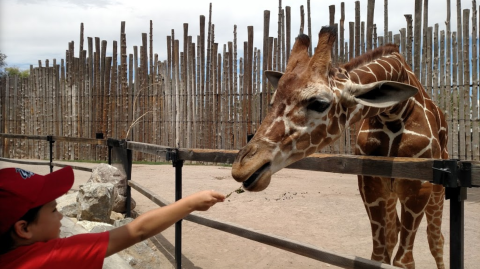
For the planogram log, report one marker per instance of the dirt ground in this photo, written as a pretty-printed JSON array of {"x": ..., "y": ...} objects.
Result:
[{"x": 320, "y": 209}]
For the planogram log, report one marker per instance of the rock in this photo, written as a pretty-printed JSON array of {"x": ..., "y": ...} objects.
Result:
[
  {"x": 67, "y": 204},
  {"x": 120, "y": 204},
  {"x": 122, "y": 222},
  {"x": 116, "y": 216},
  {"x": 105, "y": 173},
  {"x": 95, "y": 202},
  {"x": 94, "y": 227}
]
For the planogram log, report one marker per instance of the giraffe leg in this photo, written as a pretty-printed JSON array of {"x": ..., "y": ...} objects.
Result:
[
  {"x": 380, "y": 206},
  {"x": 393, "y": 223},
  {"x": 434, "y": 212},
  {"x": 413, "y": 196}
]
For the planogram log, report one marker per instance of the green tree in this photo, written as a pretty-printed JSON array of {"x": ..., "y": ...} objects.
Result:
[
  {"x": 15, "y": 71},
  {"x": 2, "y": 63}
]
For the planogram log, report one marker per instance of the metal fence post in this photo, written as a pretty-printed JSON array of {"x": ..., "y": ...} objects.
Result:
[
  {"x": 457, "y": 197},
  {"x": 128, "y": 169},
  {"x": 50, "y": 142},
  {"x": 455, "y": 176}
]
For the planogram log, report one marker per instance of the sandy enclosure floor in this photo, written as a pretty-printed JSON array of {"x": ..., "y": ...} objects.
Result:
[{"x": 316, "y": 208}]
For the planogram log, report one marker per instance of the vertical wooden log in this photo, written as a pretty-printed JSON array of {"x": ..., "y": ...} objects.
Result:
[
  {"x": 215, "y": 106},
  {"x": 190, "y": 86},
  {"x": 442, "y": 76},
  {"x": 176, "y": 59},
  {"x": 424, "y": 66},
  {"x": 186, "y": 139},
  {"x": 258, "y": 87},
  {"x": 428, "y": 62},
  {"x": 240, "y": 107},
  {"x": 310, "y": 52},
  {"x": 396, "y": 40},
  {"x": 409, "y": 39},
  {"x": 448, "y": 90},
  {"x": 288, "y": 37},
  {"x": 351, "y": 39},
  {"x": 342, "y": 33},
  {"x": 466, "y": 135},
  {"x": 417, "y": 37},
  {"x": 114, "y": 95},
  {"x": 127, "y": 117},
  {"x": 385, "y": 16},
  {"x": 279, "y": 37},
  {"x": 266, "y": 33},
  {"x": 107, "y": 98},
  {"x": 362, "y": 37},
  {"x": 168, "y": 92},
  {"x": 235, "y": 85},
  {"x": 283, "y": 53},
  {"x": 208, "y": 139},
  {"x": 357, "y": 28},
  {"x": 302, "y": 19},
  {"x": 89, "y": 96},
  {"x": 245, "y": 91},
  {"x": 250, "y": 85},
  {"x": 231, "y": 98},
  {"x": 332, "y": 23},
  {"x": 370, "y": 15},
  {"x": 475, "y": 87},
  {"x": 202, "y": 79},
  {"x": 224, "y": 99},
  {"x": 63, "y": 101},
  {"x": 435, "y": 71},
  {"x": 197, "y": 96},
  {"x": 155, "y": 138},
  {"x": 104, "y": 89},
  {"x": 455, "y": 95},
  {"x": 152, "y": 77},
  {"x": 460, "y": 79},
  {"x": 403, "y": 42}
]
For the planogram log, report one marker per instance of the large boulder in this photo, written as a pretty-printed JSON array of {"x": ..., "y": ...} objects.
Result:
[
  {"x": 67, "y": 204},
  {"x": 95, "y": 202},
  {"x": 105, "y": 173}
]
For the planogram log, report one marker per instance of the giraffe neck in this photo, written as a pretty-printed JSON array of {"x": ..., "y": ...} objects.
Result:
[{"x": 389, "y": 67}]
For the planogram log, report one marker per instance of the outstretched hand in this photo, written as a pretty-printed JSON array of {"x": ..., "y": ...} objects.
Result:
[{"x": 203, "y": 200}]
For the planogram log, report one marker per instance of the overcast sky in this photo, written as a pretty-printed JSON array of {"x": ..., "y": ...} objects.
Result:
[{"x": 32, "y": 30}]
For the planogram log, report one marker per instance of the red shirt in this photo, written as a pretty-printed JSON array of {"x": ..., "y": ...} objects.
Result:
[{"x": 78, "y": 251}]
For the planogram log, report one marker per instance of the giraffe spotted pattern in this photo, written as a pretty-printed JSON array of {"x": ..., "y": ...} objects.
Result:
[{"x": 313, "y": 104}]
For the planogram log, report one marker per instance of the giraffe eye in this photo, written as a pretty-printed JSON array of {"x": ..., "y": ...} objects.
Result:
[{"x": 319, "y": 106}]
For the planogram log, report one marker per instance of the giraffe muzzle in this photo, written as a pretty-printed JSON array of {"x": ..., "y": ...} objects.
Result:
[{"x": 250, "y": 183}]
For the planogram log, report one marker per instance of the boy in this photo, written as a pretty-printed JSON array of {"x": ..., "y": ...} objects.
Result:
[{"x": 30, "y": 223}]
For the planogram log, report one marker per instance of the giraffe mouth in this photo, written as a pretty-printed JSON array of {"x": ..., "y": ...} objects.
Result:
[{"x": 253, "y": 179}]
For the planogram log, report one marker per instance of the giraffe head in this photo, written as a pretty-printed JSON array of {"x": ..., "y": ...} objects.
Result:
[{"x": 309, "y": 110}]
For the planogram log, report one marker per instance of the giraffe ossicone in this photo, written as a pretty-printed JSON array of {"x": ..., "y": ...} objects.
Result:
[{"x": 313, "y": 104}]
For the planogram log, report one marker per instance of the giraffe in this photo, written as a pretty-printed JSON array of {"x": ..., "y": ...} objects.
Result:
[{"x": 312, "y": 105}]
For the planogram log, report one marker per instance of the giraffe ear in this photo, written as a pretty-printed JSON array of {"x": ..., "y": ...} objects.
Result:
[
  {"x": 273, "y": 77},
  {"x": 379, "y": 94}
]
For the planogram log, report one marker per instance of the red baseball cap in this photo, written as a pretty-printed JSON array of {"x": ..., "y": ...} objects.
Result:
[{"x": 21, "y": 190}]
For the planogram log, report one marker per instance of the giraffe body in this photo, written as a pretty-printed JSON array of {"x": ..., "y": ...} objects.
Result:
[{"x": 314, "y": 103}]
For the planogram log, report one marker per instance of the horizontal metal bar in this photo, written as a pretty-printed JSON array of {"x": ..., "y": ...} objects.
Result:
[{"x": 344, "y": 261}]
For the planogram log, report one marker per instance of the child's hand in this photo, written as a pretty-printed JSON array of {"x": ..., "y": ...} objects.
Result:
[{"x": 202, "y": 201}]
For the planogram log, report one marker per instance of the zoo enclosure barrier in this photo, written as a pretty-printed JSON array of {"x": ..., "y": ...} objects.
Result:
[
  {"x": 204, "y": 95},
  {"x": 455, "y": 175}
]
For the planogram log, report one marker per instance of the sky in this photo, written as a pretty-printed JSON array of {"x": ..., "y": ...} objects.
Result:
[{"x": 32, "y": 30}]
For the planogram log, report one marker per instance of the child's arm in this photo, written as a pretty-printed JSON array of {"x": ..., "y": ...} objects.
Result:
[{"x": 157, "y": 220}]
